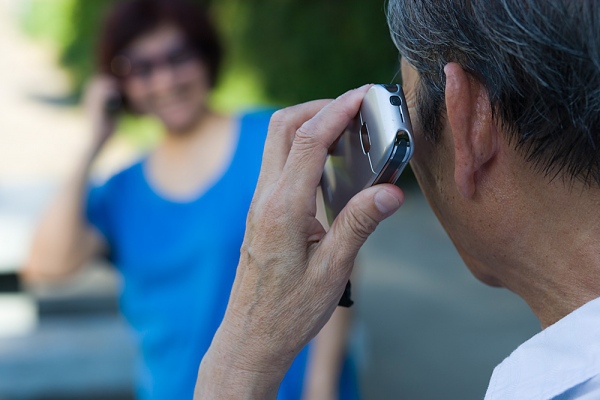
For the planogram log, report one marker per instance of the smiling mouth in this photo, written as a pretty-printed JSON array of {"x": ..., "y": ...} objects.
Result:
[{"x": 174, "y": 98}]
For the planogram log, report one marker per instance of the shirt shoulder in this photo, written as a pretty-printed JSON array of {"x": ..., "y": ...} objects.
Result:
[
  {"x": 554, "y": 362},
  {"x": 128, "y": 174},
  {"x": 256, "y": 118},
  {"x": 587, "y": 390},
  {"x": 102, "y": 198},
  {"x": 253, "y": 126}
]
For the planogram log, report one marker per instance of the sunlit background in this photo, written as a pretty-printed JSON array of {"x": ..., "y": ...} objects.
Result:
[{"x": 424, "y": 327}]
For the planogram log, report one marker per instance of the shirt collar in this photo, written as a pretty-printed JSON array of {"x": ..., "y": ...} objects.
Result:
[{"x": 553, "y": 361}]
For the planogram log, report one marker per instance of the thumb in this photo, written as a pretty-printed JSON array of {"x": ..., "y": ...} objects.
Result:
[{"x": 359, "y": 218}]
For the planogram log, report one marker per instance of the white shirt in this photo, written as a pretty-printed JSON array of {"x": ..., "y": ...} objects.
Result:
[{"x": 561, "y": 362}]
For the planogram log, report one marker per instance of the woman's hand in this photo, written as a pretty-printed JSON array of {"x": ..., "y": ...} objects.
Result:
[
  {"x": 292, "y": 272},
  {"x": 101, "y": 100}
]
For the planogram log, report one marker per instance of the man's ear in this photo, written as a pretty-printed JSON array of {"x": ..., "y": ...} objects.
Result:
[{"x": 470, "y": 120}]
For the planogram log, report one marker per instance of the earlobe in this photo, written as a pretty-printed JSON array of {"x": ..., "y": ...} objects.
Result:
[{"x": 470, "y": 123}]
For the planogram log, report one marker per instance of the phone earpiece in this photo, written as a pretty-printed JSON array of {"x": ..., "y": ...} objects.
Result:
[{"x": 113, "y": 105}]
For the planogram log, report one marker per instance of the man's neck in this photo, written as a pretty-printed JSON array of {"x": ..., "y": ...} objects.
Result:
[{"x": 556, "y": 257}]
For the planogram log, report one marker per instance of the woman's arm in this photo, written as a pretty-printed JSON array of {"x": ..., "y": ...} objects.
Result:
[
  {"x": 328, "y": 349},
  {"x": 326, "y": 358},
  {"x": 64, "y": 240}
]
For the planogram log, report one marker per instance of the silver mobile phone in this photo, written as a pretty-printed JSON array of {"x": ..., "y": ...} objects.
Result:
[{"x": 374, "y": 148}]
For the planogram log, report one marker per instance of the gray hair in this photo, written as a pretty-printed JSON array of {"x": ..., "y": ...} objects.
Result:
[{"x": 538, "y": 59}]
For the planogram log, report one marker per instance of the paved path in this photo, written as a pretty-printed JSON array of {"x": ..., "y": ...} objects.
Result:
[{"x": 69, "y": 357}]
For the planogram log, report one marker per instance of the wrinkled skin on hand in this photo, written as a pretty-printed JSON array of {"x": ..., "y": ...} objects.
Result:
[{"x": 292, "y": 272}]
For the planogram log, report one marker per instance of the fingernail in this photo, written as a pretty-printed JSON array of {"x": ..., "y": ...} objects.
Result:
[
  {"x": 363, "y": 86},
  {"x": 385, "y": 202}
]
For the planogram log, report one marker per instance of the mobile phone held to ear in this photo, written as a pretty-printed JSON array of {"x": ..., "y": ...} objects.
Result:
[
  {"x": 374, "y": 148},
  {"x": 113, "y": 104}
]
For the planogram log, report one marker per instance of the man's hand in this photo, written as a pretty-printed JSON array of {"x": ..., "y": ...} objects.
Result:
[{"x": 292, "y": 272}]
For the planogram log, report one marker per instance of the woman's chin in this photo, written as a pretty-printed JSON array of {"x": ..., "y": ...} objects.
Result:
[{"x": 180, "y": 125}]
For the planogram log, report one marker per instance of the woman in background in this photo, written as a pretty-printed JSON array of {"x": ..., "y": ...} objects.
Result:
[{"x": 173, "y": 222}]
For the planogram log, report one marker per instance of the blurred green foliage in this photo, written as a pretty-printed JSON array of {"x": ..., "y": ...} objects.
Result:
[
  {"x": 49, "y": 20},
  {"x": 77, "y": 54},
  {"x": 316, "y": 48},
  {"x": 278, "y": 51},
  {"x": 71, "y": 26}
]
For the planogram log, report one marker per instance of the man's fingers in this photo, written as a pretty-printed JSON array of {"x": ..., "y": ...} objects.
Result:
[
  {"x": 282, "y": 128},
  {"x": 306, "y": 160},
  {"x": 358, "y": 220}
]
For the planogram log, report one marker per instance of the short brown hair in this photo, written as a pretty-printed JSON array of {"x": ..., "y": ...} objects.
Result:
[{"x": 127, "y": 20}]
